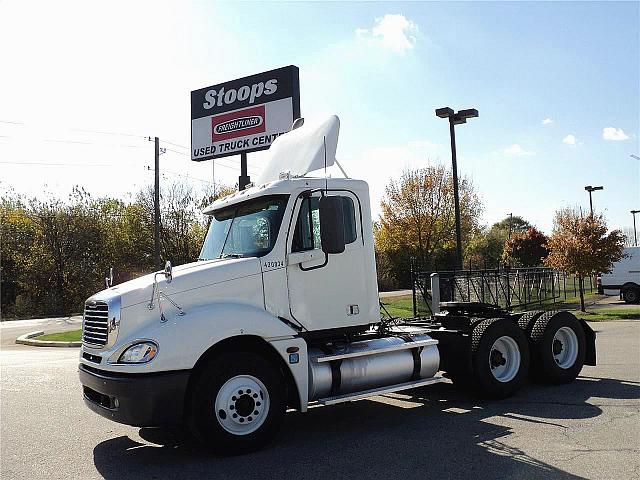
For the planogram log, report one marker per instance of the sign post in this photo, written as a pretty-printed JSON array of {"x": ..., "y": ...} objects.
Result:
[{"x": 243, "y": 115}]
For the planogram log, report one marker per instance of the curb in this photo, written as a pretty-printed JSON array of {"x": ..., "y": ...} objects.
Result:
[{"x": 29, "y": 339}]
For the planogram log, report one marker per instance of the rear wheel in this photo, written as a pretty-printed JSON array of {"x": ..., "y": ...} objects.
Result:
[
  {"x": 631, "y": 295},
  {"x": 238, "y": 403},
  {"x": 558, "y": 348},
  {"x": 500, "y": 359}
]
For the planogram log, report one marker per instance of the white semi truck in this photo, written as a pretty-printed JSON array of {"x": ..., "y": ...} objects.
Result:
[{"x": 282, "y": 311}]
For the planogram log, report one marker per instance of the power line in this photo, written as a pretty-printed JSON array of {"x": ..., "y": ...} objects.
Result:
[
  {"x": 61, "y": 164},
  {"x": 218, "y": 162},
  {"x": 147, "y": 167},
  {"x": 174, "y": 144}
]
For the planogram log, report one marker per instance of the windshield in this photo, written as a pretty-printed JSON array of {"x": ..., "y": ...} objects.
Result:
[{"x": 249, "y": 229}]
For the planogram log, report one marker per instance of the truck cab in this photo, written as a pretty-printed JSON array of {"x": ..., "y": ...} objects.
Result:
[{"x": 281, "y": 310}]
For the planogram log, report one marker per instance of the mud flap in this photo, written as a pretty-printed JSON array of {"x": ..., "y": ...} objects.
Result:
[{"x": 590, "y": 337}]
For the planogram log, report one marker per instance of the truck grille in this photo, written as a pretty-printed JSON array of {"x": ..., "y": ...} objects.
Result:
[{"x": 95, "y": 326}]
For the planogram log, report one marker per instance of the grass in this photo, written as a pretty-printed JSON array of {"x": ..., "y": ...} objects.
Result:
[
  {"x": 606, "y": 314},
  {"x": 403, "y": 307},
  {"x": 72, "y": 336}
]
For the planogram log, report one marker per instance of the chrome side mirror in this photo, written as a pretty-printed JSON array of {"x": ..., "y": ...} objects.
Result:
[
  {"x": 168, "y": 269},
  {"x": 108, "y": 281}
]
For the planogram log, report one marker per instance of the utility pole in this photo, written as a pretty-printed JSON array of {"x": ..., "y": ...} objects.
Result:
[
  {"x": 156, "y": 201},
  {"x": 456, "y": 195},
  {"x": 510, "y": 223},
  {"x": 156, "y": 206},
  {"x": 635, "y": 237},
  {"x": 456, "y": 118}
]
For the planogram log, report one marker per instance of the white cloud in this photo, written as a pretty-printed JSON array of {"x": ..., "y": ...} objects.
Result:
[
  {"x": 517, "y": 151},
  {"x": 612, "y": 133},
  {"x": 395, "y": 32},
  {"x": 569, "y": 140},
  {"x": 547, "y": 121}
]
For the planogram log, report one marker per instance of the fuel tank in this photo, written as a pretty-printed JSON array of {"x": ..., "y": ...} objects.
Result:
[{"x": 370, "y": 371}]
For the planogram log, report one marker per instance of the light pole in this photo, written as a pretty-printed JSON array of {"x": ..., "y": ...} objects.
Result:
[
  {"x": 456, "y": 118},
  {"x": 510, "y": 222},
  {"x": 591, "y": 189},
  {"x": 635, "y": 237}
]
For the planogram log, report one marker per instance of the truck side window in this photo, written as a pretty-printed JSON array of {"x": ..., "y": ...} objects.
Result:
[
  {"x": 306, "y": 235},
  {"x": 307, "y": 232},
  {"x": 349, "y": 213}
]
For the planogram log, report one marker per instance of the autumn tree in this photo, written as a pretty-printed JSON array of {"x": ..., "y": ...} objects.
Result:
[
  {"x": 418, "y": 221},
  {"x": 486, "y": 246},
  {"x": 526, "y": 249},
  {"x": 581, "y": 246},
  {"x": 54, "y": 253}
]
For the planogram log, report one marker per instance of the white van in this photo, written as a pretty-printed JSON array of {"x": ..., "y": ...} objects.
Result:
[{"x": 625, "y": 276}]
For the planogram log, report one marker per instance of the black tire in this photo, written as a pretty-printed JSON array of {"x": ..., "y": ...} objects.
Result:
[
  {"x": 544, "y": 365},
  {"x": 527, "y": 319},
  {"x": 631, "y": 295},
  {"x": 203, "y": 418},
  {"x": 482, "y": 381}
]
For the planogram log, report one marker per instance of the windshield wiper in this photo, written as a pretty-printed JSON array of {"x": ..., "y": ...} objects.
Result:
[{"x": 232, "y": 255}]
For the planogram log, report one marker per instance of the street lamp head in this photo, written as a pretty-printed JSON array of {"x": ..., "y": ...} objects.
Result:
[
  {"x": 589, "y": 188},
  {"x": 468, "y": 113},
  {"x": 444, "y": 112},
  {"x": 635, "y": 211},
  {"x": 456, "y": 120},
  {"x": 598, "y": 188}
]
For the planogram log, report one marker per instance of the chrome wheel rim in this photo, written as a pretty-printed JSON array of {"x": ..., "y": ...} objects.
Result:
[
  {"x": 242, "y": 405},
  {"x": 565, "y": 347},
  {"x": 504, "y": 359}
]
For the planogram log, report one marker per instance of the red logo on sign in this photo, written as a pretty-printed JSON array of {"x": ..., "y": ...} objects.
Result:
[{"x": 238, "y": 124}]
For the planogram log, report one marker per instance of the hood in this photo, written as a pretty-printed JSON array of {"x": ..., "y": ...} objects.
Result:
[{"x": 184, "y": 277}]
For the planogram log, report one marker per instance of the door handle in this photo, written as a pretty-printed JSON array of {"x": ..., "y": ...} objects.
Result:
[{"x": 296, "y": 258}]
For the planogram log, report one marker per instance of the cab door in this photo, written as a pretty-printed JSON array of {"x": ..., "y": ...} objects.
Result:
[{"x": 326, "y": 291}]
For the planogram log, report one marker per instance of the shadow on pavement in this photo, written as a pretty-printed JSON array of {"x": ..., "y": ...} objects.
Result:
[{"x": 434, "y": 432}]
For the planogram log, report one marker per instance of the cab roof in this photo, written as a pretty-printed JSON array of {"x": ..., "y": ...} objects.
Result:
[{"x": 285, "y": 186}]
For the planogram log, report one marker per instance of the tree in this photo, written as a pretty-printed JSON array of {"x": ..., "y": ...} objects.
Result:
[
  {"x": 486, "y": 247},
  {"x": 526, "y": 249},
  {"x": 418, "y": 220},
  {"x": 54, "y": 253},
  {"x": 581, "y": 246}
]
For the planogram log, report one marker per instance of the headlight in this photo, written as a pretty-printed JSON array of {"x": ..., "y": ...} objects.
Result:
[{"x": 142, "y": 352}]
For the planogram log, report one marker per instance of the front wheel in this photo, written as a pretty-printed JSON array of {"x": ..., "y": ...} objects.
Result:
[
  {"x": 631, "y": 295},
  {"x": 237, "y": 403}
]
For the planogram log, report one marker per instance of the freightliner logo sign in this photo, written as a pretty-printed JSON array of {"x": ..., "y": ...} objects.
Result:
[{"x": 243, "y": 115}]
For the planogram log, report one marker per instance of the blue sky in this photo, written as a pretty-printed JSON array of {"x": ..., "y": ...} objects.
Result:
[{"x": 382, "y": 67}]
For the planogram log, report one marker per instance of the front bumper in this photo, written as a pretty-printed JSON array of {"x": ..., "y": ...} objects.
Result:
[{"x": 140, "y": 400}]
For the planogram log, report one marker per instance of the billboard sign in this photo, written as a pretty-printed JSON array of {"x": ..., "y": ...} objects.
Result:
[{"x": 243, "y": 115}]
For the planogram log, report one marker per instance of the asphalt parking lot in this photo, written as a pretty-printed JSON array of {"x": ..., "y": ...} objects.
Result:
[{"x": 587, "y": 429}]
